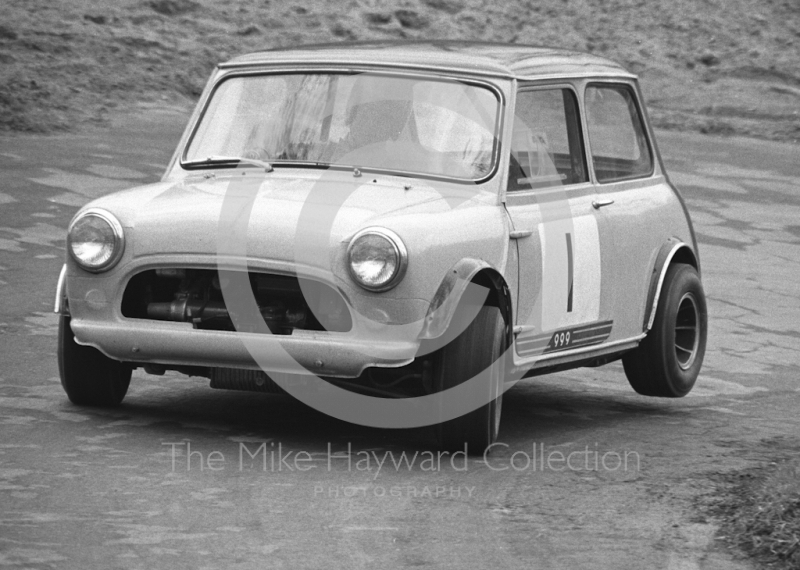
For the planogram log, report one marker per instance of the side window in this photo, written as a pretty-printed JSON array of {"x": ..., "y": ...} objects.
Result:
[
  {"x": 616, "y": 133},
  {"x": 546, "y": 147}
]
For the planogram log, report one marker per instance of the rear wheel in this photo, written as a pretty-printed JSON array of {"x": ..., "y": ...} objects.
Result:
[
  {"x": 668, "y": 360},
  {"x": 88, "y": 376},
  {"x": 479, "y": 347}
]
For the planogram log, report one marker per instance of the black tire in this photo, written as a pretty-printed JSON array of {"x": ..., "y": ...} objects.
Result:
[
  {"x": 479, "y": 347},
  {"x": 88, "y": 376},
  {"x": 667, "y": 362}
]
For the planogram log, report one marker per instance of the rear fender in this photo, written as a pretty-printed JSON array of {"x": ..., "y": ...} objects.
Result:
[{"x": 673, "y": 251}]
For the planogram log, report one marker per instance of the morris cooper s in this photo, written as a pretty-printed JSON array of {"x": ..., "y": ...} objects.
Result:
[{"x": 393, "y": 222}]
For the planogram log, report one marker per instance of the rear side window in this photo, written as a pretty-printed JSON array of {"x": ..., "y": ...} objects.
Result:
[
  {"x": 546, "y": 147},
  {"x": 616, "y": 133}
]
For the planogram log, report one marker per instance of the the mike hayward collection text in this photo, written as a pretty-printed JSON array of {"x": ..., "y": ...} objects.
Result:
[{"x": 275, "y": 457}]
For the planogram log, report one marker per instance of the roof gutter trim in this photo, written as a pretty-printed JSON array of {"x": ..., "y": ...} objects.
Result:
[{"x": 295, "y": 65}]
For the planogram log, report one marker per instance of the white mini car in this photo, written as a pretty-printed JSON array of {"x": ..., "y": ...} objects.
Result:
[{"x": 398, "y": 218}]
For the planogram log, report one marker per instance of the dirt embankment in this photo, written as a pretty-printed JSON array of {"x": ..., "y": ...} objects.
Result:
[{"x": 720, "y": 66}]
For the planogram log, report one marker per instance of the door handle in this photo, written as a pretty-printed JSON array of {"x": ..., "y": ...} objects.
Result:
[
  {"x": 519, "y": 234},
  {"x": 597, "y": 204}
]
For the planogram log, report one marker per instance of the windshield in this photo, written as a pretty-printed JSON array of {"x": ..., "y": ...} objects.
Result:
[{"x": 369, "y": 121}]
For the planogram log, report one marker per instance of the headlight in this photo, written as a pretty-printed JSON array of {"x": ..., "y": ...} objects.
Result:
[
  {"x": 95, "y": 240},
  {"x": 377, "y": 259}
]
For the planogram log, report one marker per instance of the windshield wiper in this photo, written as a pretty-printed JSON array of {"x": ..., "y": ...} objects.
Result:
[{"x": 211, "y": 160}]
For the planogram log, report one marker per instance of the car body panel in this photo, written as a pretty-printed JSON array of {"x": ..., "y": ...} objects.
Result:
[
  {"x": 185, "y": 214},
  {"x": 642, "y": 218},
  {"x": 558, "y": 291}
]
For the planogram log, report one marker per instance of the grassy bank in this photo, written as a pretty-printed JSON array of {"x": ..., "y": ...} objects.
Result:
[
  {"x": 759, "y": 513},
  {"x": 717, "y": 66}
]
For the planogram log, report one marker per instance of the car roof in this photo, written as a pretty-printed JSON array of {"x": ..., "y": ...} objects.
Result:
[{"x": 472, "y": 58}]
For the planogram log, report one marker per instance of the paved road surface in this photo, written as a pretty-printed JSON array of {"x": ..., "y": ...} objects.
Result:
[{"x": 99, "y": 489}]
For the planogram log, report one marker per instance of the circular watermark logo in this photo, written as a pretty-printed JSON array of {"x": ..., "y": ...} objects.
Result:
[{"x": 419, "y": 137}]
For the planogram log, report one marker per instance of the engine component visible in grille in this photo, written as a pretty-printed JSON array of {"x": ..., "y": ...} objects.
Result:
[{"x": 195, "y": 296}]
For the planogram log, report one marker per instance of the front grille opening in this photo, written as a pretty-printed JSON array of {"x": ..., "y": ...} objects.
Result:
[{"x": 195, "y": 296}]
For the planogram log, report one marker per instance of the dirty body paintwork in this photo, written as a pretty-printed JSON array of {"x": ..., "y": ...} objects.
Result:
[
  {"x": 185, "y": 215},
  {"x": 447, "y": 227}
]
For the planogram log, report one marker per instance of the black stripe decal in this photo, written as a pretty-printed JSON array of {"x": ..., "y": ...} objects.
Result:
[
  {"x": 569, "y": 272},
  {"x": 531, "y": 343},
  {"x": 580, "y": 335},
  {"x": 590, "y": 329},
  {"x": 564, "y": 339}
]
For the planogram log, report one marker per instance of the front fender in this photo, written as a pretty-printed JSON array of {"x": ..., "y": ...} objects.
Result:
[
  {"x": 60, "y": 307},
  {"x": 451, "y": 291}
]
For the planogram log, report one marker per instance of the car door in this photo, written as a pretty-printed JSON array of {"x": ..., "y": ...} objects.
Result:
[
  {"x": 636, "y": 203},
  {"x": 562, "y": 300}
]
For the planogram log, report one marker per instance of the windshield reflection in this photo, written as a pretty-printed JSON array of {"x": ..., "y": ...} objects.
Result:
[{"x": 370, "y": 121}]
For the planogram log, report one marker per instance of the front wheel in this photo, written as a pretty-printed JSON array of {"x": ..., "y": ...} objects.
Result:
[
  {"x": 481, "y": 346},
  {"x": 88, "y": 376},
  {"x": 668, "y": 360}
]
